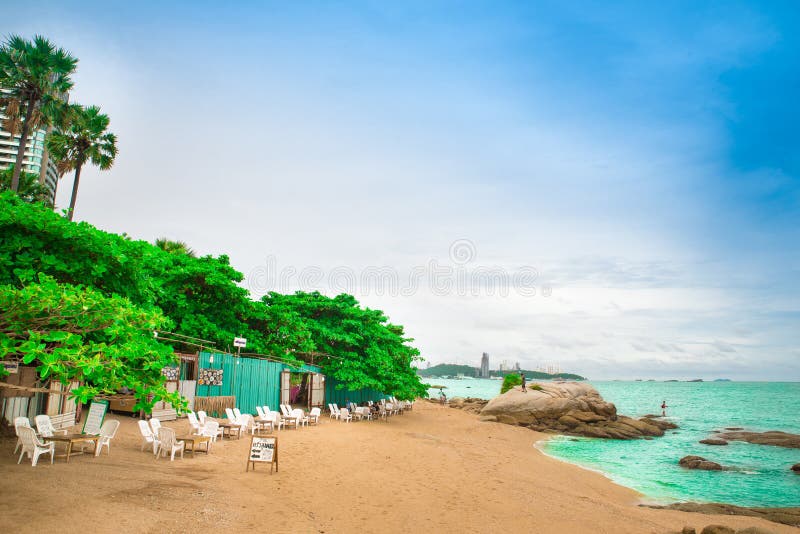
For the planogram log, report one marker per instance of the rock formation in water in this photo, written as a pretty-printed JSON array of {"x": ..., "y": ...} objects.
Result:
[
  {"x": 698, "y": 462},
  {"x": 713, "y": 441},
  {"x": 774, "y": 438},
  {"x": 570, "y": 408}
]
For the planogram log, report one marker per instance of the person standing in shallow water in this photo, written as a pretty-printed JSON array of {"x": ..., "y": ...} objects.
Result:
[
  {"x": 663, "y": 408},
  {"x": 522, "y": 376}
]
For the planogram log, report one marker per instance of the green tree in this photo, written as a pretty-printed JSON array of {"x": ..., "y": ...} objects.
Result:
[
  {"x": 35, "y": 76},
  {"x": 174, "y": 247},
  {"x": 510, "y": 381},
  {"x": 30, "y": 190},
  {"x": 73, "y": 333},
  {"x": 356, "y": 346},
  {"x": 82, "y": 137}
]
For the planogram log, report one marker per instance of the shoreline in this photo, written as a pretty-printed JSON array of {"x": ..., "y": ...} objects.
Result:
[{"x": 433, "y": 469}]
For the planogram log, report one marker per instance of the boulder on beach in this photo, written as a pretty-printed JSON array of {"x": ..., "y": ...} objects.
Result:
[
  {"x": 698, "y": 462},
  {"x": 713, "y": 441},
  {"x": 570, "y": 408},
  {"x": 773, "y": 438}
]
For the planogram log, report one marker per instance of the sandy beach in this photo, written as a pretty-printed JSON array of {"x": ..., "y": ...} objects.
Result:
[{"x": 434, "y": 469}]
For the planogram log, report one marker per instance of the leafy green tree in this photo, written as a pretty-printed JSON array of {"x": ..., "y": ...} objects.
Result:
[
  {"x": 174, "y": 247},
  {"x": 30, "y": 190},
  {"x": 35, "y": 76},
  {"x": 82, "y": 137},
  {"x": 510, "y": 381},
  {"x": 357, "y": 346},
  {"x": 73, "y": 333}
]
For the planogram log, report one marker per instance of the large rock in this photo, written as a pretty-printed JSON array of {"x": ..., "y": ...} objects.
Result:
[
  {"x": 787, "y": 516},
  {"x": 774, "y": 438},
  {"x": 570, "y": 408},
  {"x": 796, "y": 468},
  {"x": 698, "y": 462},
  {"x": 713, "y": 441},
  {"x": 717, "y": 529}
]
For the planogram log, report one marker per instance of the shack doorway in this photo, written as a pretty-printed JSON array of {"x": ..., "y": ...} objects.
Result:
[{"x": 302, "y": 390}]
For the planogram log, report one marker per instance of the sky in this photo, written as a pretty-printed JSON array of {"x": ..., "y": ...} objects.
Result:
[{"x": 610, "y": 188}]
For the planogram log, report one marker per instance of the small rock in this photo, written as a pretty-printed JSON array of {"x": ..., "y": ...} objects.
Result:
[
  {"x": 733, "y": 428},
  {"x": 754, "y": 530},
  {"x": 717, "y": 529},
  {"x": 688, "y": 530},
  {"x": 713, "y": 441},
  {"x": 796, "y": 468},
  {"x": 488, "y": 418},
  {"x": 698, "y": 462}
]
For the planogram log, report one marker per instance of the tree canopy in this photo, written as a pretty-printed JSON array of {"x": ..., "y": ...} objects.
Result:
[{"x": 201, "y": 297}]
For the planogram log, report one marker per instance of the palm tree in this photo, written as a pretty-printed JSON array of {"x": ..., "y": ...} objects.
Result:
[
  {"x": 30, "y": 190},
  {"x": 174, "y": 247},
  {"x": 82, "y": 137},
  {"x": 35, "y": 77}
]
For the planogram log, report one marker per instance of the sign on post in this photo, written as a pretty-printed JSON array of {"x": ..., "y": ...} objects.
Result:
[
  {"x": 265, "y": 450},
  {"x": 94, "y": 419},
  {"x": 239, "y": 342}
]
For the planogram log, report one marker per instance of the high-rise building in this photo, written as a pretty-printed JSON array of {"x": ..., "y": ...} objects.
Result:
[
  {"x": 484, "y": 365},
  {"x": 36, "y": 160}
]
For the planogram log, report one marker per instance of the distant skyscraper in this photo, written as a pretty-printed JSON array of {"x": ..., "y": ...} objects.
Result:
[
  {"x": 516, "y": 366},
  {"x": 484, "y": 365}
]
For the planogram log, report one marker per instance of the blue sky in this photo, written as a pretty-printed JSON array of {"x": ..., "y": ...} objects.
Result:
[{"x": 643, "y": 158}]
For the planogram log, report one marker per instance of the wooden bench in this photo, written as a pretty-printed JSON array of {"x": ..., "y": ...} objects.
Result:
[
  {"x": 165, "y": 415},
  {"x": 63, "y": 420}
]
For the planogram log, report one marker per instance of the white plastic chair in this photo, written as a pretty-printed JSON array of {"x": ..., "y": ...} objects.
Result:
[
  {"x": 230, "y": 415},
  {"x": 155, "y": 425},
  {"x": 45, "y": 426},
  {"x": 148, "y": 438},
  {"x": 18, "y": 422},
  {"x": 334, "y": 411},
  {"x": 260, "y": 412},
  {"x": 213, "y": 431},
  {"x": 32, "y": 445},
  {"x": 167, "y": 444},
  {"x": 107, "y": 433},
  {"x": 314, "y": 415},
  {"x": 300, "y": 417},
  {"x": 237, "y": 413},
  {"x": 201, "y": 417},
  {"x": 197, "y": 428},
  {"x": 344, "y": 415}
]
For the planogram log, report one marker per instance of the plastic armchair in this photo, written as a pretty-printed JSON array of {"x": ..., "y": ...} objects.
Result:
[
  {"x": 18, "y": 422},
  {"x": 33, "y": 446},
  {"x": 148, "y": 438},
  {"x": 168, "y": 444},
  {"x": 344, "y": 415},
  {"x": 45, "y": 426},
  {"x": 314, "y": 415}
]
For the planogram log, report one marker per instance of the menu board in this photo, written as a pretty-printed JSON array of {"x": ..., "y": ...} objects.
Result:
[
  {"x": 95, "y": 416},
  {"x": 263, "y": 449}
]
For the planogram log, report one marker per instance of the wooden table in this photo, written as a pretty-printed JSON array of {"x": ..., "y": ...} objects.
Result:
[
  {"x": 227, "y": 427},
  {"x": 195, "y": 441},
  {"x": 71, "y": 439}
]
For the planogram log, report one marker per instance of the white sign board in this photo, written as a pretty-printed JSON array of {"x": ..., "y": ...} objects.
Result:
[
  {"x": 94, "y": 419},
  {"x": 263, "y": 449},
  {"x": 239, "y": 342}
]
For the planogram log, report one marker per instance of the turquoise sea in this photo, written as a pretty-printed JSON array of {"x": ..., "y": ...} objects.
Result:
[{"x": 761, "y": 477}]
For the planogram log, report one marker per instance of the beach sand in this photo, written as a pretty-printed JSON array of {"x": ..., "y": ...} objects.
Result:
[{"x": 434, "y": 469}]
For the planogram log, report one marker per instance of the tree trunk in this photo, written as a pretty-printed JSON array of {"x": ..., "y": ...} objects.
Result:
[
  {"x": 23, "y": 141},
  {"x": 74, "y": 191}
]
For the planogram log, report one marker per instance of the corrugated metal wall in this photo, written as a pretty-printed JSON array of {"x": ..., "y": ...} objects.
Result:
[
  {"x": 340, "y": 396},
  {"x": 253, "y": 382},
  {"x": 256, "y": 382}
]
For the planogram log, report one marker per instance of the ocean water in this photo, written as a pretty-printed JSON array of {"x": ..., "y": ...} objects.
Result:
[{"x": 761, "y": 475}]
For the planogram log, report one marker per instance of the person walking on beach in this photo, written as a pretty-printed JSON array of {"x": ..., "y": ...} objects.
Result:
[
  {"x": 442, "y": 397},
  {"x": 663, "y": 408},
  {"x": 522, "y": 376}
]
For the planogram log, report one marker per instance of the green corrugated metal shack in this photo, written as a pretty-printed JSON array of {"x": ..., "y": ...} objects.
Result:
[{"x": 258, "y": 382}]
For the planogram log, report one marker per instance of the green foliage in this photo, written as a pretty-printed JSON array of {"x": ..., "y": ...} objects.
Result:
[
  {"x": 202, "y": 298},
  {"x": 355, "y": 345},
  {"x": 35, "y": 76},
  {"x": 74, "y": 333},
  {"x": 510, "y": 381},
  {"x": 174, "y": 247},
  {"x": 30, "y": 190}
]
